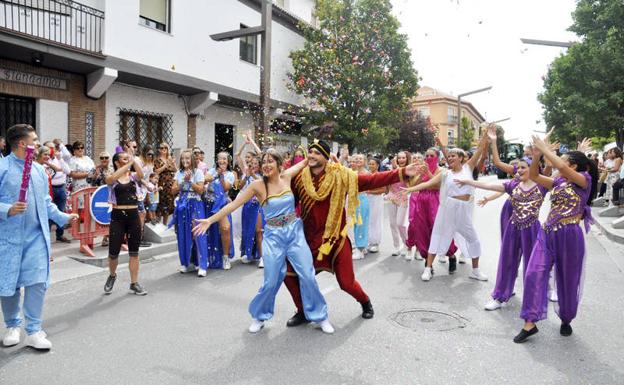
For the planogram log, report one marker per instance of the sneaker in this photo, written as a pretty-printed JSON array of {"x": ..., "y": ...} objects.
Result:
[
  {"x": 417, "y": 255},
  {"x": 479, "y": 276},
  {"x": 396, "y": 252},
  {"x": 524, "y": 334},
  {"x": 39, "y": 341},
  {"x": 226, "y": 263},
  {"x": 452, "y": 265},
  {"x": 261, "y": 264},
  {"x": 201, "y": 273},
  {"x": 442, "y": 259},
  {"x": 296, "y": 320},
  {"x": 552, "y": 296},
  {"x": 187, "y": 269},
  {"x": 255, "y": 326},
  {"x": 403, "y": 250},
  {"x": 326, "y": 327},
  {"x": 461, "y": 258},
  {"x": 357, "y": 254},
  {"x": 245, "y": 260},
  {"x": 373, "y": 249},
  {"x": 410, "y": 255},
  {"x": 494, "y": 304},
  {"x": 62, "y": 239},
  {"x": 11, "y": 337},
  {"x": 565, "y": 330},
  {"x": 427, "y": 274},
  {"x": 110, "y": 282},
  {"x": 137, "y": 289}
]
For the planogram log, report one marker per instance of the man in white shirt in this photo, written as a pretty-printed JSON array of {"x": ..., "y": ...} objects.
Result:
[{"x": 59, "y": 180}]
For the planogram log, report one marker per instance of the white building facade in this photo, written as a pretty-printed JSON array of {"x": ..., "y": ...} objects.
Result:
[{"x": 101, "y": 71}]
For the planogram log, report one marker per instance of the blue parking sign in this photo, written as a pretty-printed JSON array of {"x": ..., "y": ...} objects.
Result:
[{"x": 100, "y": 207}]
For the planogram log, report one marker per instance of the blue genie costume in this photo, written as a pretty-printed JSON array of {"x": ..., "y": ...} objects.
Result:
[
  {"x": 214, "y": 199},
  {"x": 251, "y": 209},
  {"x": 25, "y": 243},
  {"x": 284, "y": 239},
  {"x": 189, "y": 206}
]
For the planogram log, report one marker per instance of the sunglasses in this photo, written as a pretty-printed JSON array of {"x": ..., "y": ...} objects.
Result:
[
  {"x": 163, "y": 148},
  {"x": 103, "y": 157},
  {"x": 150, "y": 154},
  {"x": 430, "y": 156},
  {"x": 79, "y": 148}
]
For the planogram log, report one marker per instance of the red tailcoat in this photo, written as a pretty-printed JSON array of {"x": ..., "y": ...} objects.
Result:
[{"x": 314, "y": 213}]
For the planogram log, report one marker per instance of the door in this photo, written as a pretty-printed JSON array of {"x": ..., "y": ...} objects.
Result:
[
  {"x": 224, "y": 138},
  {"x": 16, "y": 110}
]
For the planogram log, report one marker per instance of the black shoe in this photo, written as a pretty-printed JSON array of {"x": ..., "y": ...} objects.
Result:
[
  {"x": 137, "y": 289},
  {"x": 110, "y": 282},
  {"x": 367, "y": 310},
  {"x": 565, "y": 329},
  {"x": 145, "y": 244},
  {"x": 296, "y": 320},
  {"x": 524, "y": 334},
  {"x": 452, "y": 265}
]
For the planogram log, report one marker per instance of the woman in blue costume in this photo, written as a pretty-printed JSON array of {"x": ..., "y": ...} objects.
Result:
[
  {"x": 252, "y": 218},
  {"x": 283, "y": 238},
  {"x": 189, "y": 184},
  {"x": 219, "y": 180}
]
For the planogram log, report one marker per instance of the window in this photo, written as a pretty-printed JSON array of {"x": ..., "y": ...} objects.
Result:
[
  {"x": 451, "y": 137},
  {"x": 145, "y": 127},
  {"x": 249, "y": 48},
  {"x": 424, "y": 112},
  {"x": 451, "y": 115},
  {"x": 155, "y": 14},
  {"x": 280, "y": 3}
]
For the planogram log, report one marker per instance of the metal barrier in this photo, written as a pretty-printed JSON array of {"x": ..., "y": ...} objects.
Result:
[{"x": 85, "y": 228}]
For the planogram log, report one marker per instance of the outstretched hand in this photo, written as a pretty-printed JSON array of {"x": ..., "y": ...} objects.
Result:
[
  {"x": 201, "y": 226},
  {"x": 491, "y": 132},
  {"x": 482, "y": 202},
  {"x": 412, "y": 169},
  {"x": 584, "y": 145}
]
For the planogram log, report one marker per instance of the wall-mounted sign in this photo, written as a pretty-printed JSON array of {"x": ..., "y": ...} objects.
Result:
[{"x": 12, "y": 75}]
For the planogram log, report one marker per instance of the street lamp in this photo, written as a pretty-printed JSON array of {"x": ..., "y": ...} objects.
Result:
[
  {"x": 264, "y": 30},
  {"x": 549, "y": 43},
  {"x": 459, "y": 108}
]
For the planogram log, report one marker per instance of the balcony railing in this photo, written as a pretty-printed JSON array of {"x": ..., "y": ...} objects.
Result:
[{"x": 60, "y": 22}]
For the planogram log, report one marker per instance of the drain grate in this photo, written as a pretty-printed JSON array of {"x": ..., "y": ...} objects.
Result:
[{"x": 428, "y": 320}]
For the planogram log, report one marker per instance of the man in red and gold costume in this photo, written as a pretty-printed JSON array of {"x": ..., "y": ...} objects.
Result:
[{"x": 323, "y": 190}]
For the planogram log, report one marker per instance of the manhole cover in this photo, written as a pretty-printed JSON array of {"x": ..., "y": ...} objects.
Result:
[{"x": 428, "y": 320}]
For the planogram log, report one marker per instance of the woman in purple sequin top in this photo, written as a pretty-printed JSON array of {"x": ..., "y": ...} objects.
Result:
[
  {"x": 562, "y": 242},
  {"x": 519, "y": 233}
]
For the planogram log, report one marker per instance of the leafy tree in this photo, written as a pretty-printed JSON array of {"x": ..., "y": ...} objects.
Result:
[
  {"x": 415, "y": 134},
  {"x": 356, "y": 69},
  {"x": 584, "y": 89},
  {"x": 466, "y": 137}
]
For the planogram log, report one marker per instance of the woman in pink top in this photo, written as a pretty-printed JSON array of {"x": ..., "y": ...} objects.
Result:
[{"x": 397, "y": 207}]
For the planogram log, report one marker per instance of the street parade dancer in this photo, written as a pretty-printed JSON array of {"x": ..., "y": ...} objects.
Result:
[
  {"x": 25, "y": 238},
  {"x": 520, "y": 233},
  {"x": 321, "y": 189},
  {"x": 454, "y": 216},
  {"x": 188, "y": 184},
  {"x": 283, "y": 240},
  {"x": 562, "y": 243}
]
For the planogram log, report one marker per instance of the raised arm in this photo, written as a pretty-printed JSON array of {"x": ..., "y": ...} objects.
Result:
[
  {"x": 432, "y": 183},
  {"x": 121, "y": 171},
  {"x": 203, "y": 225},
  {"x": 481, "y": 202},
  {"x": 504, "y": 167},
  {"x": 534, "y": 173},
  {"x": 294, "y": 170},
  {"x": 482, "y": 185},
  {"x": 558, "y": 163},
  {"x": 472, "y": 162}
]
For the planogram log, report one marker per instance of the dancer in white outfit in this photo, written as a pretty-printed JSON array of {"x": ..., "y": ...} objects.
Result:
[
  {"x": 456, "y": 209},
  {"x": 376, "y": 203}
]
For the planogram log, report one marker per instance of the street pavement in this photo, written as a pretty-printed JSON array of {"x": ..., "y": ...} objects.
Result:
[{"x": 192, "y": 330}]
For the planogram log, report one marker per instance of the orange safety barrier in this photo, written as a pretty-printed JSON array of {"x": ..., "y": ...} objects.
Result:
[{"x": 85, "y": 229}]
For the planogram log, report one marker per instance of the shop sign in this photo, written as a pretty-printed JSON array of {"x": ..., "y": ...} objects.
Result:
[{"x": 16, "y": 76}]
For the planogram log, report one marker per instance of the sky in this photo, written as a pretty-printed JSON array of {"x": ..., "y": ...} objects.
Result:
[{"x": 463, "y": 45}]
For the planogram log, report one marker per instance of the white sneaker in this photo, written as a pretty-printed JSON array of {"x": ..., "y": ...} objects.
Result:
[
  {"x": 403, "y": 250},
  {"x": 201, "y": 273},
  {"x": 479, "y": 276},
  {"x": 187, "y": 269},
  {"x": 357, "y": 254},
  {"x": 396, "y": 252},
  {"x": 552, "y": 296},
  {"x": 226, "y": 263},
  {"x": 261, "y": 264},
  {"x": 494, "y": 304},
  {"x": 38, "y": 341},
  {"x": 417, "y": 255},
  {"x": 442, "y": 259},
  {"x": 427, "y": 274},
  {"x": 245, "y": 260},
  {"x": 326, "y": 327},
  {"x": 256, "y": 326},
  {"x": 373, "y": 249},
  {"x": 11, "y": 337},
  {"x": 461, "y": 258},
  {"x": 410, "y": 255}
]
